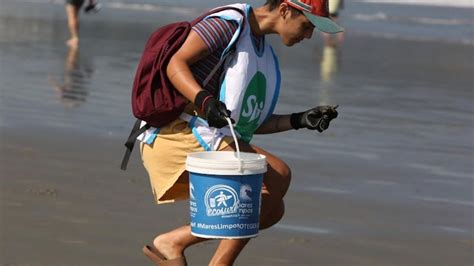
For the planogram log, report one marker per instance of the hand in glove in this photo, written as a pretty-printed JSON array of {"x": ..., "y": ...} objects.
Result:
[
  {"x": 214, "y": 110},
  {"x": 317, "y": 118}
]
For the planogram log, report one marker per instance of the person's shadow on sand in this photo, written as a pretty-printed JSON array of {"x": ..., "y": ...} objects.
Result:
[{"x": 74, "y": 88}]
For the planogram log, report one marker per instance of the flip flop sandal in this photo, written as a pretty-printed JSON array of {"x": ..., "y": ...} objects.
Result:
[{"x": 160, "y": 260}]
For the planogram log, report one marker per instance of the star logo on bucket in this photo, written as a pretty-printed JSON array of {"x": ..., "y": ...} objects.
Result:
[{"x": 221, "y": 200}]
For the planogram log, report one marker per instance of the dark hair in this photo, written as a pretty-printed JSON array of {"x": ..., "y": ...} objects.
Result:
[{"x": 272, "y": 4}]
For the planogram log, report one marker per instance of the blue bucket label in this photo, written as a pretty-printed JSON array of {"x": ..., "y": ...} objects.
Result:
[{"x": 225, "y": 206}]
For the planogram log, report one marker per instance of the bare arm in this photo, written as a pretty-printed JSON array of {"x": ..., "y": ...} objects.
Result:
[
  {"x": 275, "y": 124},
  {"x": 178, "y": 70}
]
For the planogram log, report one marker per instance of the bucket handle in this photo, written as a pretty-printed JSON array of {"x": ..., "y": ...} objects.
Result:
[{"x": 235, "y": 140}]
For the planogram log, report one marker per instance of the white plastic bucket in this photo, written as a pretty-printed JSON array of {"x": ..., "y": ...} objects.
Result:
[{"x": 225, "y": 192}]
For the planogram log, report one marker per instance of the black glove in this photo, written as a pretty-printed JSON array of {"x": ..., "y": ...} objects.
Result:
[
  {"x": 214, "y": 110},
  {"x": 317, "y": 118}
]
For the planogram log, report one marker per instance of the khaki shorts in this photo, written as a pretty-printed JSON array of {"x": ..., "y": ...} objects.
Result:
[{"x": 165, "y": 160}]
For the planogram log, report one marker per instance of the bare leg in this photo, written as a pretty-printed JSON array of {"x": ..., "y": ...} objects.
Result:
[
  {"x": 73, "y": 24},
  {"x": 275, "y": 184},
  {"x": 173, "y": 243},
  {"x": 227, "y": 251}
]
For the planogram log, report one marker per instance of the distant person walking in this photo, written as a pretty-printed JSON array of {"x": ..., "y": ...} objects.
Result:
[
  {"x": 72, "y": 11},
  {"x": 334, "y": 7}
]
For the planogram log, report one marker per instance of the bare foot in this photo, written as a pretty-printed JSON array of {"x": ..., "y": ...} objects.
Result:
[
  {"x": 167, "y": 246},
  {"x": 73, "y": 42}
]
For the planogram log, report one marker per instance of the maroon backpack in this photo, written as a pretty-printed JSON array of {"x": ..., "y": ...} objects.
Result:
[{"x": 154, "y": 99}]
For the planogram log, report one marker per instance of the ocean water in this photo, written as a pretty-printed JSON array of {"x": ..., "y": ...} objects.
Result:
[{"x": 451, "y": 21}]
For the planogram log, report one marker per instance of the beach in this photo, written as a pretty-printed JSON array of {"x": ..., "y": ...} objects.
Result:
[{"x": 390, "y": 183}]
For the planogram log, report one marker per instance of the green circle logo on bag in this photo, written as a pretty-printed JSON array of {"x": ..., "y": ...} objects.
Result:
[{"x": 252, "y": 106}]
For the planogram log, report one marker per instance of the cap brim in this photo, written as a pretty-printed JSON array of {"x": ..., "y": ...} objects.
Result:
[{"x": 323, "y": 24}]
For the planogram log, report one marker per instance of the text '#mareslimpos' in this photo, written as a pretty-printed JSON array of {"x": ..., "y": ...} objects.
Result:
[{"x": 227, "y": 226}]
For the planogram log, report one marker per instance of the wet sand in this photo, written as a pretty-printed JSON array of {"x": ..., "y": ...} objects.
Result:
[
  {"x": 391, "y": 182},
  {"x": 65, "y": 202}
]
